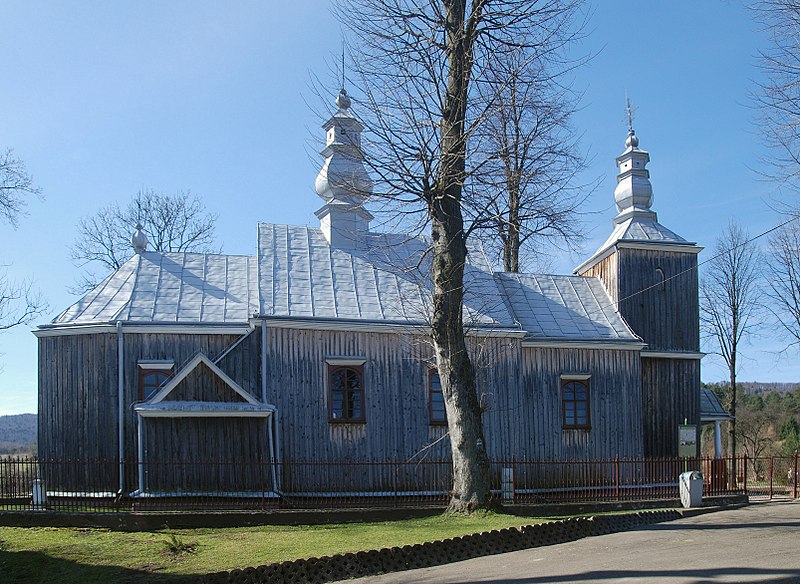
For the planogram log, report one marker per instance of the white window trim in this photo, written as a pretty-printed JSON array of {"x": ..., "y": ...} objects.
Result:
[
  {"x": 344, "y": 361},
  {"x": 575, "y": 377},
  {"x": 161, "y": 365}
]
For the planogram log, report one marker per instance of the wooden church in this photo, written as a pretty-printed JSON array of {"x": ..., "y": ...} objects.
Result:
[{"x": 316, "y": 350}]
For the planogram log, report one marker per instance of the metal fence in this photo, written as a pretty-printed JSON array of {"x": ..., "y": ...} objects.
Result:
[{"x": 89, "y": 486}]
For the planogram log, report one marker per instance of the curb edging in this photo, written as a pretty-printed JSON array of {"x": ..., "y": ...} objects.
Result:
[{"x": 434, "y": 553}]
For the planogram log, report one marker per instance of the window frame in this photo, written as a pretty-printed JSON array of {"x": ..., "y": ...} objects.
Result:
[
  {"x": 333, "y": 367},
  {"x": 433, "y": 372},
  {"x": 583, "y": 380},
  {"x": 148, "y": 367}
]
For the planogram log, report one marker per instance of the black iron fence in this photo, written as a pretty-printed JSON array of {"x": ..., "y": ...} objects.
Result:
[{"x": 93, "y": 485}]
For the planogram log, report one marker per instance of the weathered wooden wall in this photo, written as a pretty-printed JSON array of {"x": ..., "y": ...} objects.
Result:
[
  {"x": 520, "y": 388},
  {"x": 206, "y": 455},
  {"x": 606, "y": 270},
  {"x": 180, "y": 348},
  {"x": 666, "y": 316},
  {"x": 535, "y": 413},
  {"x": 78, "y": 404},
  {"x": 395, "y": 395},
  {"x": 671, "y": 393}
]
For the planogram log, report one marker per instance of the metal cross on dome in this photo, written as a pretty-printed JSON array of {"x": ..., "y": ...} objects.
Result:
[{"x": 629, "y": 110}]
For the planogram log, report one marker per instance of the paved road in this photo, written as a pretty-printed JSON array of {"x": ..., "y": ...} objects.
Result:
[{"x": 759, "y": 543}]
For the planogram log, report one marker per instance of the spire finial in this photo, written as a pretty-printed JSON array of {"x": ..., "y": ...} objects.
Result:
[
  {"x": 342, "y": 64},
  {"x": 632, "y": 141},
  {"x": 139, "y": 239}
]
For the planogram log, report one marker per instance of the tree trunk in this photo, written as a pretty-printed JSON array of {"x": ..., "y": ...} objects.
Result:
[{"x": 456, "y": 371}]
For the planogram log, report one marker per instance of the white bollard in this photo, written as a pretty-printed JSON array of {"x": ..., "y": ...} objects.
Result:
[
  {"x": 39, "y": 495},
  {"x": 507, "y": 485}
]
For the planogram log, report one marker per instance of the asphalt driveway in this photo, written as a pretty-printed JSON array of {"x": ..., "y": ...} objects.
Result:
[{"x": 758, "y": 543}]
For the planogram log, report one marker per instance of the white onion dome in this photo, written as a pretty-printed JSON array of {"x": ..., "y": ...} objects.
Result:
[{"x": 343, "y": 177}]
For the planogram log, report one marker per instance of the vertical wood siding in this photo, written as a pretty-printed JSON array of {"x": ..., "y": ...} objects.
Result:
[
  {"x": 178, "y": 452},
  {"x": 667, "y": 317},
  {"x": 671, "y": 393},
  {"x": 204, "y": 385},
  {"x": 78, "y": 406},
  {"x": 535, "y": 416},
  {"x": 181, "y": 348},
  {"x": 607, "y": 271}
]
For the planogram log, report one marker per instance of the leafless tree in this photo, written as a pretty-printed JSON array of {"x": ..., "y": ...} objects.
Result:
[
  {"x": 20, "y": 303},
  {"x": 533, "y": 159},
  {"x": 424, "y": 69},
  {"x": 172, "y": 223},
  {"x": 778, "y": 98},
  {"x": 783, "y": 271},
  {"x": 16, "y": 186},
  {"x": 729, "y": 302}
]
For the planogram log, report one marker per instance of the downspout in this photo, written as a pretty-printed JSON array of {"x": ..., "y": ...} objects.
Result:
[
  {"x": 263, "y": 361},
  {"x": 121, "y": 407},
  {"x": 273, "y": 425}
]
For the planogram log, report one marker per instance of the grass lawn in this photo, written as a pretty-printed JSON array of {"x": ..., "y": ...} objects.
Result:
[{"x": 55, "y": 554}]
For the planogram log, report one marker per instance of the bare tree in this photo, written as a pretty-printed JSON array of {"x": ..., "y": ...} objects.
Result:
[
  {"x": 172, "y": 223},
  {"x": 20, "y": 303},
  {"x": 783, "y": 270},
  {"x": 778, "y": 97},
  {"x": 729, "y": 300},
  {"x": 534, "y": 157},
  {"x": 16, "y": 185},
  {"x": 424, "y": 68}
]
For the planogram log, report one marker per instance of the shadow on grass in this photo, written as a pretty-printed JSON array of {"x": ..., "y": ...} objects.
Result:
[{"x": 39, "y": 568}]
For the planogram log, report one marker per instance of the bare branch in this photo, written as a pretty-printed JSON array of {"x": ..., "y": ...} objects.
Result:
[
  {"x": 172, "y": 223},
  {"x": 15, "y": 187}
]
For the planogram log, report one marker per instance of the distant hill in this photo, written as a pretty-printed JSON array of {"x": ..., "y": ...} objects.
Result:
[
  {"x": 760, "y": 388},
  {"x": 18, "y": 434}
]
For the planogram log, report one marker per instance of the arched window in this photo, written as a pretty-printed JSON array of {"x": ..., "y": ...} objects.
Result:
[
  {"x": 152, "y": 375},
  {"x": 662, "y": 279},
  {"x": 346, "y": 394}
]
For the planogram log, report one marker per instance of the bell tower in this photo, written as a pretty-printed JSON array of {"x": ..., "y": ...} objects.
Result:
[{"x": 650, "y": 272}]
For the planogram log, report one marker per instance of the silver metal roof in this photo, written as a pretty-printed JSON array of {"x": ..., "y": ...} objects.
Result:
[
  {"x": 172, "y": 287},
  {"x": 386, "y": 278},
  {"x": 571, "y": 308}
]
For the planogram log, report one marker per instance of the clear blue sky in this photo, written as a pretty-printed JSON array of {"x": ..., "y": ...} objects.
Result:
[{"x": 101, "y": 99}]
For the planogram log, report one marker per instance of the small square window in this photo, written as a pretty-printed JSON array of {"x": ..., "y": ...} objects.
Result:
[{"x": 436, "y": 410}]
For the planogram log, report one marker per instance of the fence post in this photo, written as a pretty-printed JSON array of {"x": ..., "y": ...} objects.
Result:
[
  {"x": 771, "y": 459},
  {"x": 616, "y": 477},
  {"x": 394, "y": 481},
  {"x": 744, "y": 470},
  {"x": 795, "y": 476}
]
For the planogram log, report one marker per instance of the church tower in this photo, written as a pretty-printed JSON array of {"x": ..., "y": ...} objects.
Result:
[
  {"x": 343, "y": 182},
  {"x": 651, "y": 273}
]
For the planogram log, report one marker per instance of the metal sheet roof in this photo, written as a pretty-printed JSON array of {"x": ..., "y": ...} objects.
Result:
[
  {"x": 297, "y": 274},
  {"x": 385, "y": 278},
  {"x": 710, "y": 408},
  {"x": 572, "y": 308},
  {"x": 172, "y": 287}
]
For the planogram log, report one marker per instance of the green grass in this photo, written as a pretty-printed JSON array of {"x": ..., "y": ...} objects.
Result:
[{"x": 63, "y": 555}]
